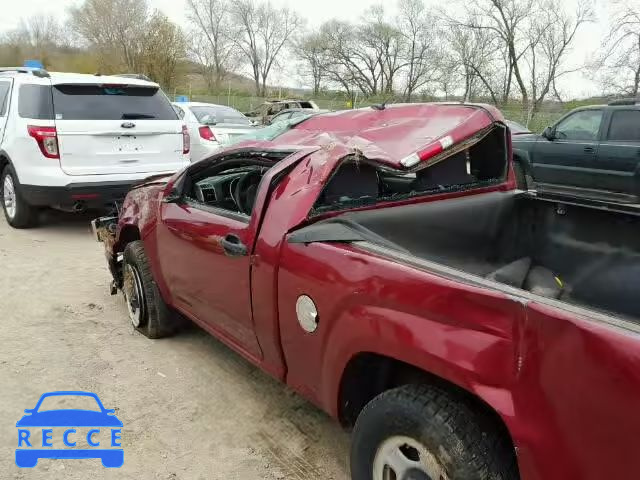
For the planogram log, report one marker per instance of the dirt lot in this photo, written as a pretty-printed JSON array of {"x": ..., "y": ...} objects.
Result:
[{"x": 191, "y": 408}]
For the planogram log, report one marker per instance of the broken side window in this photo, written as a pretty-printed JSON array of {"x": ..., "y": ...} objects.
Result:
[{"x": 357, "y": 183}]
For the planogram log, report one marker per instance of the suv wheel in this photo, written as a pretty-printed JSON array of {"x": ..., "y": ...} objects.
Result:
[
  {"x": 422, "y": 432},
  {"x": 17, "y": 211},
  {"x": 148, "y": 312}
]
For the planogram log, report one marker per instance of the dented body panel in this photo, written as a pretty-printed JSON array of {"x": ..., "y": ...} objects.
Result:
[{"x": 564, "y": 380}]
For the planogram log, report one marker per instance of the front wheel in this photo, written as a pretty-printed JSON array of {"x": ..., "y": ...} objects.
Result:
[
  {"x": 17, "y": 211},
  {"x": 422, "y": 432},
  {"x": 148, "y": 312}
]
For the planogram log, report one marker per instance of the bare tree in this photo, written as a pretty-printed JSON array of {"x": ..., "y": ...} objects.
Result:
[
  {"x": 534, "y": 37},
  {"x": 355, "y": 62},
  {"x": 618, "y": 62},
  {"x": 262, "y": 33},
  {"x": 114, "y": 28},
  {"x": 387, "y": 43},
  {"x": 422, "y": 54},
  {"x": 211, "y": 42},
  {"x": 164, "y": 48},
  {"x": 508, "y": 21},
  {"x": 550, "y": 37},
  {"x": 472, "y": 53},
  {"x": 337, "y": 39},
  {"x": 41, "y": 31},
  {"x": 312, "y": 52},
  {"x": 36, "y": 37}
]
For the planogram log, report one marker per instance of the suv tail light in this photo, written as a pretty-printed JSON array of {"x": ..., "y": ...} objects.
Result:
[
  {"x": 47, "y": 138},
  {"x": 207, "y": 134},
  {"x": 186, "y": 140}
]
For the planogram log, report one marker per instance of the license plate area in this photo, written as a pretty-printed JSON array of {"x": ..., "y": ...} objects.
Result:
[{"x": 129, "y": 144}]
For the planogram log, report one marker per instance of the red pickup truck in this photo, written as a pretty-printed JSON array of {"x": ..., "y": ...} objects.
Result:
[{"x": 382, "y": 264}]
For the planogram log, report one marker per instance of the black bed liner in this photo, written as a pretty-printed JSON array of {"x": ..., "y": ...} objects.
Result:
[{"x": 593, "y": 251}]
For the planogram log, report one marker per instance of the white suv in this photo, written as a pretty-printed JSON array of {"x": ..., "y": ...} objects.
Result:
[{"x": 76, "y": 141}]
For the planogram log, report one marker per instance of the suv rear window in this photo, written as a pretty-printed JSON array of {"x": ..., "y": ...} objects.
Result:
[
  {"x": 213, "y": 115},
  {"x": 96, "y": 102},
  {"x": 34, "y": 101}
]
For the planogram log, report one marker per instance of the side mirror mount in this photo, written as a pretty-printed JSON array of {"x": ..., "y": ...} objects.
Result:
[
  {"x": 549, "y": 133},
  {"x": 174, "y": 196}
]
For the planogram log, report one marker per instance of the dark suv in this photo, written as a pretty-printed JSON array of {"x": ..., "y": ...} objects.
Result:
[{"x": 592, "y": 151}]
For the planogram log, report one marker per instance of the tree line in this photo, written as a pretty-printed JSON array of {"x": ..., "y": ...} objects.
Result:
[{"x": 500, "y": 51}]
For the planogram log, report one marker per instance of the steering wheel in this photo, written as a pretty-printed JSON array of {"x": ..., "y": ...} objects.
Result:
[{"x": 240, "y": 195}]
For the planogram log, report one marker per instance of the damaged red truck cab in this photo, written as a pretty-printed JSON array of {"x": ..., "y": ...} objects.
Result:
[{"x": 381, "y": 263}]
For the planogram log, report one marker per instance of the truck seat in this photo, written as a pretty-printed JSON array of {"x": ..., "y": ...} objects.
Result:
[{"x": 536, "y": 279}]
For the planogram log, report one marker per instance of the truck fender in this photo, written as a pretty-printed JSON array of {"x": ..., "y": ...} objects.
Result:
[{"x": 480, "y": 361}]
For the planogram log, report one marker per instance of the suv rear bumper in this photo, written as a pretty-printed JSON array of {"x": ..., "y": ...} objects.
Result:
[{"x": 87, "y": 195}]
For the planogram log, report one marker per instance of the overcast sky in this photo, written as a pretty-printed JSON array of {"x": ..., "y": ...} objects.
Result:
[{"x": 317, "y": 11}]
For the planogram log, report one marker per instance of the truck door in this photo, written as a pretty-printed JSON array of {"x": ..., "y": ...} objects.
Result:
[
  {"x": 5, "y": 90},
  {"x": 618, "y": 160},
  {"x": 570, "y": 158},
  {"x": 204, "y": 247}
]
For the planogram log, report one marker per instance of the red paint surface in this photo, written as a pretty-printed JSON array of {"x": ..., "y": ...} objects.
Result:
[{"x": 566, "y": 386}]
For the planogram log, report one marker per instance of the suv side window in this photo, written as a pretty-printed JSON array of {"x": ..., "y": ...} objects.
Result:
[
  {"x": 625, "y": 126},
  {"x": 35, "y": 101},
  {"x": 5, "y": 86},
  {"x": 583, "y": 125},
  {"x": 179, "y": 111}
]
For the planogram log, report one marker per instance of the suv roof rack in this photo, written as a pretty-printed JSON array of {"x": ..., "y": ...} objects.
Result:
[
  {"x": 624, "y": 101},
  {"x": 37, "y": 72}
]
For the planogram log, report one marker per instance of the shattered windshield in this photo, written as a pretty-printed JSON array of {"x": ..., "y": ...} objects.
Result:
[{"x": 272, "y": 131}]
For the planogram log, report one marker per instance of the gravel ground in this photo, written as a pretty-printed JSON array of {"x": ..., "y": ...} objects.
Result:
[{"x": 191, "y": 408}]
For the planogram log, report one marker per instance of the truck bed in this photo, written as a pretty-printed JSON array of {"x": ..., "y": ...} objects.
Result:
[{"x": 575, "y": 254}]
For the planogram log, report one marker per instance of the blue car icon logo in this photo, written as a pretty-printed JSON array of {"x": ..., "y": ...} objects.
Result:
[{"x": 69, "y": 424}]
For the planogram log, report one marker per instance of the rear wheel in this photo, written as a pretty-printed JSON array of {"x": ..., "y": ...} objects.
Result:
[
  {"x": 422, "y": 432},
  {"x": 148, "y": 312},
  {"x": 17, "y": 211}
]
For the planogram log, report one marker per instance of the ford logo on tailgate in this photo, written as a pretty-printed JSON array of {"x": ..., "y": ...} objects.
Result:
[{"x": 127, "y": 124}]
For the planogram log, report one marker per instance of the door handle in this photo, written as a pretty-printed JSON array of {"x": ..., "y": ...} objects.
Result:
[
  {"x": 233, "y": 246},
  {"x": 589, "y": 150}
]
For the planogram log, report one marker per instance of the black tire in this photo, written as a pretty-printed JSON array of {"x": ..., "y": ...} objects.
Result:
[
  {"x": 156, "y": 319},
  {"x": 25, "y": 215},
  {"x": 521, "y": 179},
  {"x": 464, "y": 445}
]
